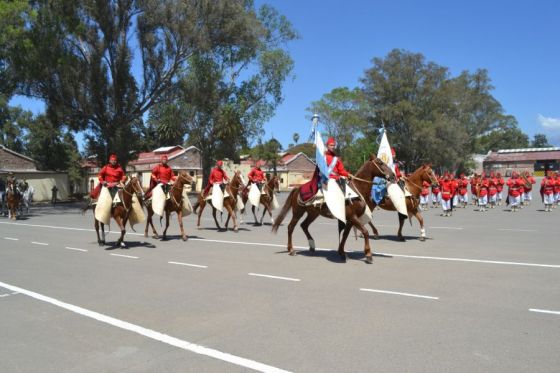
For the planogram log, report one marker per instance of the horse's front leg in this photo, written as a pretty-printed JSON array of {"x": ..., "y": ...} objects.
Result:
[
  {"x": 121, "y": 223},
  {"x": 102, "y": 233},
  {"x": 345, "y": 234},
  {"x": 180, "y": 217},
  {"x": 216, "y": 219},
  {"x": 367, "y": 249},
  {"x": 253, "y": 210},
  {"x": 400, "y": 237},
  {"x": 201, "y": 205},
  {"x": 297, "y": 213},
  {"x": 311, "y": 216},
  {"x": 420, "y": 218},
  {"x": 375, "y": 232},
  {"x": 167, "y": 213},
  {"x": 231, "y": 213}
]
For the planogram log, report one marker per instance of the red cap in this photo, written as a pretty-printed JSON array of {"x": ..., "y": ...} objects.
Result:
[
  {"x": 219, "y": 163},
  {"x": 331, "y": 140},
  {"x": 163, "y": 158},
  {"x": 113, "y": 157}
]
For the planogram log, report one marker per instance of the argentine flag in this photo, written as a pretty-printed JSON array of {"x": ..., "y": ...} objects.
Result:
[
  {"x": 320, "y": 156},
  {"x": 384, "y": 153}
]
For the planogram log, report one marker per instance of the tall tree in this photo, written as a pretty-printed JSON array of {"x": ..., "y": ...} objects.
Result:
[
  {"x": 100, "y": 65},
  {"x": 222, "y": 101},
  {"x": 13, "y": 123},
  {"x": 269, "y": 152},
  {"x": 540, "y": 141}
]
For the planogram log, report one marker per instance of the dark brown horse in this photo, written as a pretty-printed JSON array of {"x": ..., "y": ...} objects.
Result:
[
  {"x": 414, "y": 185},
  {"x": 121, "y": 211},
  {"x": 230, "y": 202},
  {"x": 361, "y": 183},
  {"x": 270, "y": 187},
  {"x": 13, "y": 199},
  {"x": 173, "y": 204}
]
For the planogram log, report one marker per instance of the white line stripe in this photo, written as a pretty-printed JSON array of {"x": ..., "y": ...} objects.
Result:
[
  {"x": 320, "y": 249},
  {"x": 397, "y": 293},
  {"x": 456, "y": 228},
  {"x": 188, "y": 264},
  {"x": 7, "y": 295},
  {"x": 517, "y": 230},
  {"x": 276, "y": 277},
  {"x": 40, "y": 243},
  {"x": 152, "y": 334},
  {"x": 11, "y": 239},
  {"x": 544, "y": 311},
  {"x": 74, "y": 248},
  {"x": 125, "y": 256}
]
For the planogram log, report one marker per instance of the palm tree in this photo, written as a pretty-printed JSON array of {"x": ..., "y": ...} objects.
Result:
[{"x": 296, "y": 138}]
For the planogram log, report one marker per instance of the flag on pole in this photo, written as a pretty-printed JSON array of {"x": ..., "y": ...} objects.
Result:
[
  {"x": 320, "y": 155},
  {"x": 384, "y": 153}
]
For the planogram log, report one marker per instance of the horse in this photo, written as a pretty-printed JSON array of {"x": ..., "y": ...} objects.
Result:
[
  {"x": 13, "y": 199},
  {"x": 173, "y": 204},
  {"x": 272, "y": 185},
  {"x": 361, "y": 183},
  {"x": 27, "y": 198},
  {"x": 230, "y": 202},
  {"x": 120, "y": 212},
  {"x": 414, "y": 185}
]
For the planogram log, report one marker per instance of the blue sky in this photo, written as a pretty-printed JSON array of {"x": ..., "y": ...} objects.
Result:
[{"x": 518, "y": 42}]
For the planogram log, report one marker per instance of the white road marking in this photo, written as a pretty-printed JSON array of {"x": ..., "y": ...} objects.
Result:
[
  {"x": 188, "y": 264},
  {"x": 75, "y": 248},
  {"x": 7, "y": 295},
  {"x": 544, "y": 311},
  {"x": 40, "y": 243},
  {"x": 320, "y": 249},
  {"x": 11, "y": 239},
  {"x": 152, "y": 334},
  {"x": 398, "y": 293},
  {"x": 126, "y": 256},
  {"x": 275, "y": 277},
  {"x": 517, "y": 230},
  {"x": 456, "y": 228}
]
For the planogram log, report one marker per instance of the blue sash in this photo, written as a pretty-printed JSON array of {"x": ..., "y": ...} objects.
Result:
[{"x": 378, "y": 189}]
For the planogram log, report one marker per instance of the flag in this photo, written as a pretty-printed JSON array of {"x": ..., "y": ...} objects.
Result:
[
  {"x": 320, "y": 156},
  {"x": 384, "y": 153}
]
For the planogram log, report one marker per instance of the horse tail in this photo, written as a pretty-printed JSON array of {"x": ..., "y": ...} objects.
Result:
[{"x": 284, "y": 210}]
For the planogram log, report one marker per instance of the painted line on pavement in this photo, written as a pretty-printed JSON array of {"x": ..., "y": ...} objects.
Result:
[
  {"x": 75, "y": 249},
  {"x": 274, "y": 277},
  {"x": 517, "y": 230},
  {"x": 40, "y": 243},
  {"x": 188, "y": 264},
  {"x": 544, "y": 311},
  {"x": 7, "y": 295},
  {"x": 455, "y": 228},
  {"x": 322, "y": 249},
  {"x": 125, "y": 256},
  {"x": 398, "y": 293},
  {"x": 149, "y": 333},
  {"x": 11, "y": 239}
]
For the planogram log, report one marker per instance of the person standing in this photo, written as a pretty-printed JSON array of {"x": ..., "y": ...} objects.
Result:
[
  {"x": 548, "y": 185},
  {"x": 514, "y": 191}
]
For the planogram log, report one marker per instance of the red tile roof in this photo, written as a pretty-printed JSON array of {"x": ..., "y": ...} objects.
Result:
[{"x": 154, "y": 157}]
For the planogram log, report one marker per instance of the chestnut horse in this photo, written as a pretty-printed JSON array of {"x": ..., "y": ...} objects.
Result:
[
  {"x": 230, "y": 202},
  {"x": 269, "y": 187},
  {"x": 173, "y": 204},
  {"x": 414, "y": 185},
  {"x": 121, "y": 211},
  {"x": 13, "y": 199},
  {"x": 361, "y": 183}
]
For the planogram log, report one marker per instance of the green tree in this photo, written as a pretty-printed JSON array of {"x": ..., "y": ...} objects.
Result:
[
  {"x": 295, "y": 137},
  {"x": 13, "y": 122},
  {"x": 506, "y": 136},
  {"x": 269, "y": 152},
  {"x": 222, "y": 101},
  {"x": 540, "y": 141}
]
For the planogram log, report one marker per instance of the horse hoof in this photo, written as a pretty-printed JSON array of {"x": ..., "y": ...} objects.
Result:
[
  {"x": 100, "y": 243},
  {"x": 145, "y": 234},
  {"x": 123, "y": 245},
  {"x": 369, "y": 260},
  {"x": 185, "y": 238},
  {"x": 375, "y": 236},
  {"x": 236, "y": 229},
  {"x": 401, "y": 239},
  {"x": 422, "y": 239},
  {"x": 292, "y": 253},
  {"x": 343, "y": 259}
]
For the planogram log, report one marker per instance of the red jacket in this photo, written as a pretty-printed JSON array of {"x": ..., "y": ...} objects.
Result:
[
  {"x": 256, "y": 175},
  {"x": 532, "y": 181},
  {"x": 425, "y": 188},
  {"x": 493, "y": 186},
  {"x": 484, "y": 184},
  {"x": 557, "y": 186},
  {"x": 111, "y": 174},
  {"x": 548, "y": 185},
  {"x": 447, "y": 189},
  {"x": 164, "y": 173},
  {"x": 515, "y": 187},
  {"x": 217, "y": 175},
  {"x": 500, "y": 184},
  {"x": 338, "y": 169}
]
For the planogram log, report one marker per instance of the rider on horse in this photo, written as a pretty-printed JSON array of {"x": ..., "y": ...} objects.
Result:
[
  {"x": 217, "y": 177},
  {"x": 256, "y": 176},
  {"x": 335, "y": 166},
  {"x": 163, "y": 174},
  {"x": 111, "y": 176}
]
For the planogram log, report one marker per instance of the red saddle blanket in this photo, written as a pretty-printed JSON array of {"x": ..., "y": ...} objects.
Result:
[{"x": 309, "y": 189}]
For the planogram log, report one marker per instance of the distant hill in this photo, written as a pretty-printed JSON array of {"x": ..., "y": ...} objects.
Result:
[{"x": 306, "y": 148}]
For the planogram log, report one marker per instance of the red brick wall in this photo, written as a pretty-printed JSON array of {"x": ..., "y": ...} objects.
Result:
[{"x": 9, "y": 161}]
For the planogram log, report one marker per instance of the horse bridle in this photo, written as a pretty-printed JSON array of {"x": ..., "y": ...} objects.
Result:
[{"x": 376, "y": 165}]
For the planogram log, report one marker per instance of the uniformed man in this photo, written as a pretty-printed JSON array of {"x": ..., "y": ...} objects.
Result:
[{"x": 111, "y": 175}]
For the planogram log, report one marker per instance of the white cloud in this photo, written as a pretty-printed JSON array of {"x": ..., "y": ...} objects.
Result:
[{"x": 549, "y": 123}]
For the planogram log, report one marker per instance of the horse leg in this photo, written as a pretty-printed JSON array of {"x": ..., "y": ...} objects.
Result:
[
  {"x": 201, "y": 204},
  {"x": 120, "y": 223},
  {"x": 310, "y": 218},
  {"x": 231, "y": 212},
  {"x": 345, "y": 234},
  {"x": 400, "y": 237},
  {"x": 296, "y": 215},
  {"x": 167, "y": 212},
  {"x": 215, "y": 219},
  {"x": 367, "y": 249},
  {"x": 420, "y": 219},
  {"x": 102, "y": 233},
  {"x": 255, "y": 215},
  {"x": 96, "y": 225},
  {"x": 375, "y": 232},
  {"x": 180, "y": 217}
]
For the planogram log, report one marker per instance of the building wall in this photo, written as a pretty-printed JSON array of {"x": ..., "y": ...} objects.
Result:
[
  {"x": 9, "y": 161},
  {"x": 43, "y": 183},
  {"x": 506, "y": 168}
]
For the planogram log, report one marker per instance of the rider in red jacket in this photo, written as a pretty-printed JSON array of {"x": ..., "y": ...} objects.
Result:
[
  {"x": 217, "y": 176},
  {"x": 163, "y": 174},
  {"x": 110, "y": 175}
]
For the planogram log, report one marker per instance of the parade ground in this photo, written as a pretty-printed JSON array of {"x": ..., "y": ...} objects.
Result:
[{"x": 481, "y": 294}]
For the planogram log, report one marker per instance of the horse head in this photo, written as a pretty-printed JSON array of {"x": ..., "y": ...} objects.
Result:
[
  {"x": 133, "y": 186},
  {"x": 183, "y": 177},
  {"x": 428, "y": 175},
  {"x": 380, "y": 169},
  {"x": 274, "y": 183}
]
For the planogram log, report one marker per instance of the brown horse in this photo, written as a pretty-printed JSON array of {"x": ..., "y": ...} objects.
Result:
[
  {"x": 414, "y": 185},
  {"x": 361, "y": 183},
  {"x": 13, "y": 199},
  {"x": 230, "y": 202},
  {"x": 270, "y": 187},
  {"x": 120, "y": 212},
  {"x": 173, "y": 204}
]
